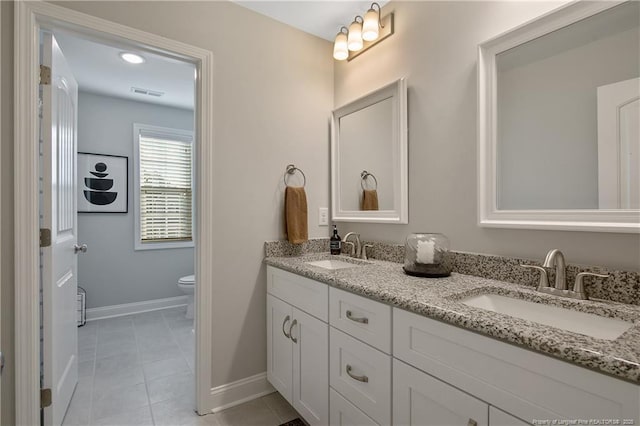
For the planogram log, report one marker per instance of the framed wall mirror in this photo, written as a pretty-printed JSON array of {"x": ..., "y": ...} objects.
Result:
[
  {"x": 369, "y": 158},
  {"x": 558, "y": 121}
]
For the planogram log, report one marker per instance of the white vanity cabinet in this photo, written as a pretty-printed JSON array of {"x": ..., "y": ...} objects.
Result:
[
  {"x": 298, "y": 344},
  {"x": 343, "y": 359}
]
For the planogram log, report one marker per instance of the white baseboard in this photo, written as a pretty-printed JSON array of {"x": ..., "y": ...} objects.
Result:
[
  {"x": 238, "y": 392},
  {"x": 134, "y": 308}
]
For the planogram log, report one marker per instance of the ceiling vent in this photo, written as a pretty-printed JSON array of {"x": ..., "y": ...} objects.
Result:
[{"x": 147, "y": 92}]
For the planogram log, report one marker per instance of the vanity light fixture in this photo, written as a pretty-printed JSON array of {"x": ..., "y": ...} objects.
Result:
[
  {"x": 362, "y": 33},
  {"x": 132, "y": 58},
  {"x": 355, "y": 34},
  {"x": 372, "y": 24},
  {"x": 340, "y": 47}
]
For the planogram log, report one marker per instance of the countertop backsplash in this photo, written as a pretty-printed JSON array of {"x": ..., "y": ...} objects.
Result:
[{"x": 621, "y": 286}]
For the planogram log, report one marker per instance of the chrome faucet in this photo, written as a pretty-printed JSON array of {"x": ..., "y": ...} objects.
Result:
[
  {"x": 355, "y": 247},
  {"x": 556, "y": 258}
]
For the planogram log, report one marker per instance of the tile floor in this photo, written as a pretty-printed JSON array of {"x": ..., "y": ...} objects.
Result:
[{"x": 139, "y": 370}]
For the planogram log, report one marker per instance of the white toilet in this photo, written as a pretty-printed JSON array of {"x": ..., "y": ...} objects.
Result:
[{"x": 188, "y": 286}]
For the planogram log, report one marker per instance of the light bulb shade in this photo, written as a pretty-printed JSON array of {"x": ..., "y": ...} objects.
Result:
[
  {"x": 340, "y": 49},
  {"x": 355, "y": 36},
  {"x": 370, "y": 28}
]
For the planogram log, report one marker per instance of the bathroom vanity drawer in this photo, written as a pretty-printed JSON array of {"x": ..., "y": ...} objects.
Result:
[
  {"x": 509, "y": 377},
  {"x": 362, "y": 318},
  {"x": 344, "y": 413},
  {"x": 307, "y": 295},
  {"x": 361, "y": 374}
]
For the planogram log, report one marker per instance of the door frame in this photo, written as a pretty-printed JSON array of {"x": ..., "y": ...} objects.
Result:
[{"x": 29, "y": 18}]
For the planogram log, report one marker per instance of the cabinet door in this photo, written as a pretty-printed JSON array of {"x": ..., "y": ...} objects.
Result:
[
  {"x": 279, "y": 350},
  {"x": 310, "y": 338},
  {"x": 500, "y": 418},
  {"x": 419, "y": 399}
]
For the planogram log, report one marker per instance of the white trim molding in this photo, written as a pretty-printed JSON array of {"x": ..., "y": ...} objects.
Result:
[
  {"x": 30, "y": 18},
  {"x": 620, "y": 221},
  {"x": 240, "y": 391},
  {"x": 113, "y": 311}
]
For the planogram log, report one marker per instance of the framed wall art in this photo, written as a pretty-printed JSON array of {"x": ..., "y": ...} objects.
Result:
[{"x": 102, "y": 183}]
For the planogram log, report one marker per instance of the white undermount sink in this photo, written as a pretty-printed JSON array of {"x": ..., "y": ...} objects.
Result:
[
  {"x": 332, "y": 264},
  {"x": 565, "y": 319}
]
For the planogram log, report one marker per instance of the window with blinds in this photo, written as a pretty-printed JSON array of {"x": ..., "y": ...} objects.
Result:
[{"x": 165, "y": 187}]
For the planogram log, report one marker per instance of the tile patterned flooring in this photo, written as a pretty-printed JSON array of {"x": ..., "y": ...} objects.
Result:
[{"x": 139, "y": 370}]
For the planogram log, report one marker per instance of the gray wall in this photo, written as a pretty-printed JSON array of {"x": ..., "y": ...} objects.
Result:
[
  {"x": 435, "y": 47},
  {"x": 111, "y": 271}
]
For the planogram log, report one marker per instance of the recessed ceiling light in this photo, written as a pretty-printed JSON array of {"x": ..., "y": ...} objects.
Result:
[{"x": 132, "y": 58}]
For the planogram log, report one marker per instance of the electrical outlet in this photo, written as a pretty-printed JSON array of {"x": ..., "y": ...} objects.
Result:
[{"x": 323, "y": 216}]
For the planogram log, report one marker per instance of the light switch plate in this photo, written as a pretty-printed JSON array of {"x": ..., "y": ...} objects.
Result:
[{"x": 323, "y": 216}]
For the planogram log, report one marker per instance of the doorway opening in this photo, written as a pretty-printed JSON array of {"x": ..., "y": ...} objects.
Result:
[{"x": 31, "y": 20}]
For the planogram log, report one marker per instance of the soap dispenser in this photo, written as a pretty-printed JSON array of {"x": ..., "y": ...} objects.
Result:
[{"x": 335, "y": 243}]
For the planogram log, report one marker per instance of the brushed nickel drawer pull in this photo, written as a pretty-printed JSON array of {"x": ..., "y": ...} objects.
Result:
[
  {"x": 362, "y": 320},
  {"x": 363, "y": 379},
  {"x": 286, "y": 319},
  {"x": 472, "y": 423},
  {"x": 291, "y": 331}
]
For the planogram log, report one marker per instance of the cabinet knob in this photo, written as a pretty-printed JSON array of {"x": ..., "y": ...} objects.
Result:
[{"x": 472, "y": 423}]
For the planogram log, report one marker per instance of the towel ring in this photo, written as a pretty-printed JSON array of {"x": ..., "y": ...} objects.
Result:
[
  {"x": 364, "y": 175},
  {"x": 291, "y": 169}
]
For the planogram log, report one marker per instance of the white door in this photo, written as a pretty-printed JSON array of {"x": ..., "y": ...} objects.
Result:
[
  {"x": 422, "y": 400},
  {"x": 58, "y": 210},
  {"x": 279, "y": 352},
  {"x": 619, "y": 145},
  {"x": 310, "y": 338}
]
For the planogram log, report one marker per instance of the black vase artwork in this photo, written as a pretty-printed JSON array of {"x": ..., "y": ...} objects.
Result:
[{"x": 100, "y": 186}]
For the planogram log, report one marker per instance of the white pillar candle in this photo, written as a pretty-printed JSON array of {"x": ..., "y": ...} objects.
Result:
[{"x": 426, "y": 251}]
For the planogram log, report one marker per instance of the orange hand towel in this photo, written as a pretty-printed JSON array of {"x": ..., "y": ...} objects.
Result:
[
  {"x": 370, "y": 199},
  {"x": 295, "y": 212}
]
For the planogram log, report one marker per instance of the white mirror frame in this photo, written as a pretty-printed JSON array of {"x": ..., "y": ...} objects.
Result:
[
  {"x": 397, "y": 91},
  {"x": 621, "y": 221}
]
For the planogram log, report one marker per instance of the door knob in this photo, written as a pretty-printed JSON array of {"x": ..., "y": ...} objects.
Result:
[{"x": 79, "y": 248}]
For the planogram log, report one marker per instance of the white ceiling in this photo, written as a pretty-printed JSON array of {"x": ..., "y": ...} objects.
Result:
[
  {"x": 320, "y": 18},
  {"x": 98, "y": 68}
]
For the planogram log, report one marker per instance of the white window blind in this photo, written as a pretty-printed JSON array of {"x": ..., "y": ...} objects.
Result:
[{"x": 166, "y": 202}]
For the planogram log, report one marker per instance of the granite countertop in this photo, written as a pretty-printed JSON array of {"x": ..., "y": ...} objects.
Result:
[{"x": 439, "y": 298}]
